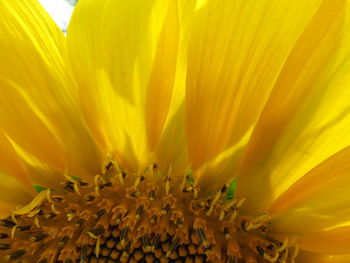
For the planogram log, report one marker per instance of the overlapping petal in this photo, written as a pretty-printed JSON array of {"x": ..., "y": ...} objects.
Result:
[
  {"x": 318, "y": 200},
  {"x": 306, "y": 119},
  {"x": 39, "y": 107},
  {"x": 124, "y": 54},
  {"x": 237, "y": 50}
]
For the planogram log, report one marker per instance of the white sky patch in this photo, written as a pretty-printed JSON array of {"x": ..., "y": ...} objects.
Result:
[{"x": 59, "y": 10}]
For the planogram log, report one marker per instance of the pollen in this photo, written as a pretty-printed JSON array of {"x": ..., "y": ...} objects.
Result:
[{"x": 148, "y": 217}]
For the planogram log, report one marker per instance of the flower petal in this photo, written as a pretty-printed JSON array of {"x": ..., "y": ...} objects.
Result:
[
  {"x": 318, "y": 200},
  {"x": 237, "y": 50},
  {"x": 39, "y": 105},
  {"x": 334, "y": 241},
  {"x": 306, "y": 118},
  {"x": 309, "y": 257},
  {"x": 10, "y": 163},
  {"x": 124, "y": 56},
  {"x": 12, "y": 194}
]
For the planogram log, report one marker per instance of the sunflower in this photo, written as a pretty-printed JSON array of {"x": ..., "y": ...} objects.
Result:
[{"x": 176, "y": 131}]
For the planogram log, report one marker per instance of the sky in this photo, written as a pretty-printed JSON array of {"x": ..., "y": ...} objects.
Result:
[{"x": 60, "y": 10}]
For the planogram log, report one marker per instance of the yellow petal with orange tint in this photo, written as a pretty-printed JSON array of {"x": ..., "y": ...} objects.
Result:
[
  {"x": 10, "y": 162},
  {"x": 333, "y": 241},
  {"x": 39, "y": 103},
  {"x": 13, "y": 194},
  {"x": 318, "y": 200},
  {"x": 307, "y": 117},
  {"x": 309, "y": 257}
]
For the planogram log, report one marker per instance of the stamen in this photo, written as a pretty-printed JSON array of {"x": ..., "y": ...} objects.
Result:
[
  {"x": 17, "y": 254},
  {"x": 126, "y": 217}
]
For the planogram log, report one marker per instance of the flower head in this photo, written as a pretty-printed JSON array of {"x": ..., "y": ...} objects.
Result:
[{"x": 175, "y": 131}]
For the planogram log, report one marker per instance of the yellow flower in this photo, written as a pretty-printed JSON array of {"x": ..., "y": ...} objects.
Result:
[{"x": 176, "y": 131}]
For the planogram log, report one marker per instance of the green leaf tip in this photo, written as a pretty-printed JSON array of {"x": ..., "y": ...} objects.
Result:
[
  {"x": 39, "y": 188},
  {"x": 231, "y": 189},
  {"x": 190, "y": 176}
]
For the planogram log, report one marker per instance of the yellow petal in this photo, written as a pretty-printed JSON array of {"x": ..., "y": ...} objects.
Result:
[
  {"x": 309, "y": 257},
  {"x": 12, "y": 194},
  {"x": 39, "y": 172},
  {"x": 171, "y": 149},
  {"x": 162, "y": 77},
  {"x": 318, "y": 200},
  {"x": 306, "y": 118},
  {"x": 124, "y": 52},
  {"x": 236, "y": 52},
  {"x": 334, "y": 241},
  {"x": 10, "y": 163},
  {"x": 39, "y": 104},
  {"x": 5, "y": 210},
  {"x": 338, "y": 259}
]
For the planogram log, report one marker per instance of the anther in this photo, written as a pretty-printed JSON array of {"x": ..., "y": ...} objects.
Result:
[
  {"x": 152, "y": 195},
  {"x": 4, "y": 246},
  {"x": 179, "y": 222},
  {"x": 68, "y": 186},
  {"x": 57, "y": 199},
  {"x": 80, "y": 222},
  {"x": 145, "y": 241},
  {"x": 7, "y": 223},
  {"x": 166, "y": 209},
  {"x": 156, "y": 240},
  {"x": 139, "y": 211},
  {"x": 124, "y": 234},
  {"x": 83, "y": 254},
  {"x": 283, "y": 245},
  {"x": 82, "y": 183},
  {"x": 244, "y": 225},
  {"x": 270, "y": 247},
  {"x": 121, "y": 177},
  {"x": 63, "y": 241},
  {"x": 50, "y": 215},
  {"x": 223, "y": 189},
  {"x": 24, "y": 228},
  {"x": 153, "y": 219},
  {"x": 202, "y": 237},
  {"x": 174, "y": 244},
  {"x": 108, "y": 165},
  {"x": 39, "y": 237},
  {"x": 99, "y": 213},
  {"x": 96, "y": 231},
  {"x": 135, "y": 194},
  {"x": 89, "y": 198},
  {"x": 118, "y": 219},
  {"x": 260, "y": 250},
  {"x": 107, "y": 184},
  {"x": 3, "y": 236},
  {"x": 227, "y": 233},
  {"x": 17, "y": 254}
]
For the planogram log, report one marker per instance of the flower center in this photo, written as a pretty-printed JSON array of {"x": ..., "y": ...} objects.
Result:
[{"x": 146, "y": 218}]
